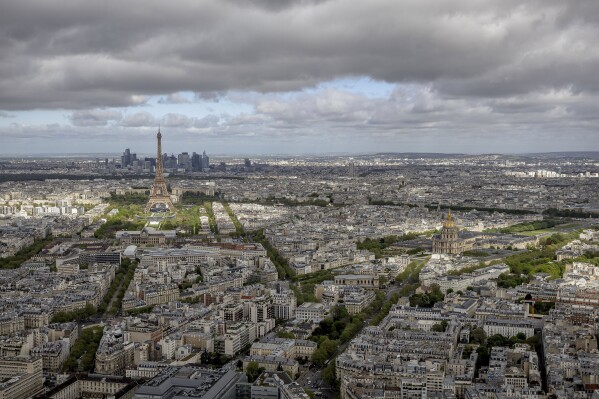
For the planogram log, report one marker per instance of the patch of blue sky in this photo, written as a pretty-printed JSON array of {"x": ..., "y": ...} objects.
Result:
[{"x": 35, "y": 117}]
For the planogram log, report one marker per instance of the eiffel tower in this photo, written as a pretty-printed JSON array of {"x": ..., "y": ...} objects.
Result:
[{"x": 159, "y": 196}]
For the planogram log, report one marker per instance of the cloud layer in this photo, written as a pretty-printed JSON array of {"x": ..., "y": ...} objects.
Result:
[
  {"x": 409, "y": 110},
  {"x": 458, "y": 66},
  {"x": 73, "y": 54}
]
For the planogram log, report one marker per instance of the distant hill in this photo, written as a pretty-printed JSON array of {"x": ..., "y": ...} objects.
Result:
[
  {"x": 541, "y": 155},
  {"x": 565, "y": 154},
  {"x": 415, "y": 155}
]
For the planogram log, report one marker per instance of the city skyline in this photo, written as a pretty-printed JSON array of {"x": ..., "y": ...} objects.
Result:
[{"x": 304, "y": 77}]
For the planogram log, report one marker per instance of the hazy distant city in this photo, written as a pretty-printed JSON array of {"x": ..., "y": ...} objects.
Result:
[{"x": 299, "y": 199}]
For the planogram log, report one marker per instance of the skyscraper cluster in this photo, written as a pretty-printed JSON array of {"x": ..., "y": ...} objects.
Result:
[
  {"x": 194, "y": 163},
  {"x": 127, "y": 158},
  {"x": 189, "y": 163}
]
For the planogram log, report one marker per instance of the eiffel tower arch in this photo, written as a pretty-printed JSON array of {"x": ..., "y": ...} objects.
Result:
[{"x": 159, "y": 196}]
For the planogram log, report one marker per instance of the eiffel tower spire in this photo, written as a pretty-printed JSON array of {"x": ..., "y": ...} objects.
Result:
[{"x": 159, "y": 195}]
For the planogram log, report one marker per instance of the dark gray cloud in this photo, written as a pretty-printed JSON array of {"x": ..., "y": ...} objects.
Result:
[
  {"x": 276, "y": 5},
  {"x": 213, "y": 96},
  {"x": 94, "y": 117},
  {"x": 81, "y": 55}
]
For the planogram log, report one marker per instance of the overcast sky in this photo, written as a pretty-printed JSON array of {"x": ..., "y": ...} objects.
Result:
[{"x": 299, "y": 76}]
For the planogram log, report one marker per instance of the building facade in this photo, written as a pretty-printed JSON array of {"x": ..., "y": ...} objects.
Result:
[{"x": 449, "y": 241}]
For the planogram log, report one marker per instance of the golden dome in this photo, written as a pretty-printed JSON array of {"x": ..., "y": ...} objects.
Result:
[{"x": 449, "y": 222}]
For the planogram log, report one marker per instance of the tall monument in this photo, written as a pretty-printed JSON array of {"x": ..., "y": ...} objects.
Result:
[{"x": 159, "y": 196}]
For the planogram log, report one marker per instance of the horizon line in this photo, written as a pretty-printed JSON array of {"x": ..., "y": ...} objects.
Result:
[{"x": 325, "y": 154}]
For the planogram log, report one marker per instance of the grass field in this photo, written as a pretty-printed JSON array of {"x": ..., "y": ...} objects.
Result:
[
  {"x": 537, "y": 232},
  {"x": 556, "y": 229},
  {"x": 187, "y": 217}
]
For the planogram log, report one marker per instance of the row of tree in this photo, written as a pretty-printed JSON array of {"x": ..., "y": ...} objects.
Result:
[
  {"x": 530, "y": 226},
  {"x": 570, "y": 213},
  {"x": 292, "y": 202},
  {"x": 283, "y": 269},
  {"x": 189, "y": 198},
  {"x": 138, "y": 311},
  {"x": 410, "y": 275},
  {"x": 383, "y": 307},
  {"x": 475, "y": 253},
  {"x": 83, "y": 352},
  {"x": 75, "y": 315},
  {"x": 124, "y": 272},
  {"x": 238, "y": 227},
  {"x": 107, "y": 230},
  {"x": 15, "y": 261},
  {"x": 455, "y": 207},
  {"x": 470, "y": 269},
  {"x": 116, "y": 306},
  {"x": 211, "y": 218}
]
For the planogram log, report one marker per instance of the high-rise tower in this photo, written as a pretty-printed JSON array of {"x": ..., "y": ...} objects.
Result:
[{"x": 159, "y": 196}]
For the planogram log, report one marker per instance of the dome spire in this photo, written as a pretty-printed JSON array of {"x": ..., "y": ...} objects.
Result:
[{"x": 449, "y": 222}]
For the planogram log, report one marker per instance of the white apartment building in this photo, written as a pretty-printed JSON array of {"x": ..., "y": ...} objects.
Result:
[{"x": 310, "y": 311}]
